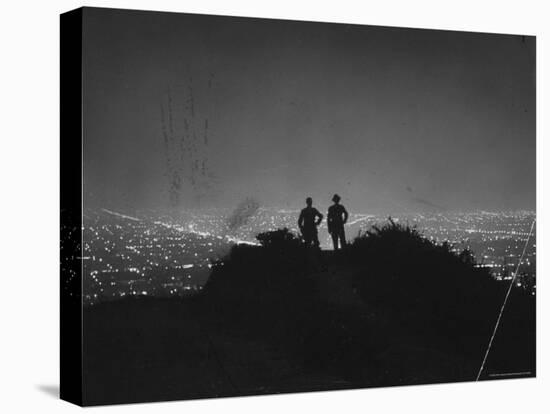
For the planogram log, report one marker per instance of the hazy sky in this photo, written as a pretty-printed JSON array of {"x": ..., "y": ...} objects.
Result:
[{"x": 216, "y": 109}]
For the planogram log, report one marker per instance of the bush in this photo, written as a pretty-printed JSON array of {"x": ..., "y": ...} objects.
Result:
[
  {"x": 279, "y": 239},
  {"x": 271, "y": 273},
  {"x": 425, "y": 285}
]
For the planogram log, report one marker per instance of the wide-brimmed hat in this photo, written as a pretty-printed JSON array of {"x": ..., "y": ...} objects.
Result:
[{"x": 335, "y": 198}]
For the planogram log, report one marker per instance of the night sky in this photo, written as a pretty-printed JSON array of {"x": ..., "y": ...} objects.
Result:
[{"x": 198, "y": 111}]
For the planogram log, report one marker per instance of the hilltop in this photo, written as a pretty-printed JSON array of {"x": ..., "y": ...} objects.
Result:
[{"x": 392, "y": 309}]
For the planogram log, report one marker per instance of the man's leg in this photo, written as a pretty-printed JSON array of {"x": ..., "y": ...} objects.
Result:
[
  {"x": 316, "y": 239},
  {"x": 310, "y": 237},
  {"x": 304, "y": 237},
  {"x": 342, "y": 238},
  {"x": 334, "y": 236}
]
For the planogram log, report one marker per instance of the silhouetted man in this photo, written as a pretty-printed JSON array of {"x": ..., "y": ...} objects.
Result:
[
  {"x": 308, "y": 221},
  {"x": 336, "y": 218}
]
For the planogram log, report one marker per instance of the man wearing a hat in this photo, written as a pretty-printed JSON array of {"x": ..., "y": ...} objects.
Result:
[{"x": 336, "y": 218}]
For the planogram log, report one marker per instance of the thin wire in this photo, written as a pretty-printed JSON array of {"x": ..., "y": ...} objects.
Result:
[{"x": 505, "y": 301}]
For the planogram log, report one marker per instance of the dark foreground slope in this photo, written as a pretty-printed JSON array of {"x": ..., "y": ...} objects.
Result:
[{"x": 393, "y": 309}]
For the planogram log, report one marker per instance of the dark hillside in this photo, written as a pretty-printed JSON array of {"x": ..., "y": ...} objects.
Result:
[{"x": 392, "y": 309}]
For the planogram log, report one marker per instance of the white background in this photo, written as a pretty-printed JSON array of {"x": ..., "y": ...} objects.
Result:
[{"x": 29, "y": 191}]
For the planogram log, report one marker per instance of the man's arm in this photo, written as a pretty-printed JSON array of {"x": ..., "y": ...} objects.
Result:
[
  {"x": 319, "y": 217},
  {"x": 301, "y": 219}
]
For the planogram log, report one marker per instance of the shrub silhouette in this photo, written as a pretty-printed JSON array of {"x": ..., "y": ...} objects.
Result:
[
  {"x": 271, "y": 274},
  {"x": 427, "y": 287},
  {"x": 281, "y": 239}
]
